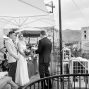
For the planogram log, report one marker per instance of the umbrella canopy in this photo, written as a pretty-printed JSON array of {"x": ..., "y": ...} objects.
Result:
[
  {"x": 17, "y": 8},
  {"x": 23, "y": 14}
]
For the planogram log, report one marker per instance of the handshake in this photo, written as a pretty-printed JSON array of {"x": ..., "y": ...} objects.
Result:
[
  {"x": 30, "y": 52},
  {"x": 34, "y": 48}
]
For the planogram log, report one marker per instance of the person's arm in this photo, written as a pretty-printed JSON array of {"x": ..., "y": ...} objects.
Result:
[
  {"x": 4, "y": 81},
  {"x": 10, "y": 51},
  {"x": 20, "y": 51},
  {"x": 39, "y": 50},
  {"x": 7, "y": 80}
]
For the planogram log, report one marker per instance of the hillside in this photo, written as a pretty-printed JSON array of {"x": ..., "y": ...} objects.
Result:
[{"x": 71, "y": 35}]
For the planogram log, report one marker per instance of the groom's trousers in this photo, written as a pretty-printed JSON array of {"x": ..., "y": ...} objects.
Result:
[
  {"x": 12, "y": 70},
  {"x": 44, "y": 72}
]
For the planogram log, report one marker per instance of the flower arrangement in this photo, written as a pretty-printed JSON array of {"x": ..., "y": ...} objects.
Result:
[{"x": 27, "y": 52}]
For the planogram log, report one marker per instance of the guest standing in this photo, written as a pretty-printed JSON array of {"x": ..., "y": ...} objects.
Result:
[
  {"x": 30, "y": 62},
  {"x": 12, "y": 53}
]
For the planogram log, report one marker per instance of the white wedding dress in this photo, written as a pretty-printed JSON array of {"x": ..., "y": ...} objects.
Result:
[{"x": 22, "y": 77}]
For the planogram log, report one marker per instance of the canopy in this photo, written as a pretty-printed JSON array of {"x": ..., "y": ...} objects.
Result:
[
  {"x": 23, "y": 14},
  {"x": 18, "y": 8},
  {"x": 30, "y": 32}
]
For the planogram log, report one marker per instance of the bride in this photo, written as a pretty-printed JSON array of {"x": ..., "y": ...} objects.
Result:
[{"x": 22, "y": 77}]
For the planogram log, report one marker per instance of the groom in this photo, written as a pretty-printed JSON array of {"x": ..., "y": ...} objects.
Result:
[
  {"x": 12, "y": 53},
  {"x": 44, "y": 51}
]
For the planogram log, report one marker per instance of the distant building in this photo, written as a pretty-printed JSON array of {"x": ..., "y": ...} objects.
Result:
[{"x": 85, "y": 39}]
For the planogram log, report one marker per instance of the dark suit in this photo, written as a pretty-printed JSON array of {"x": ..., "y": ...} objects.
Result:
[{"x": 44, "y": 51}]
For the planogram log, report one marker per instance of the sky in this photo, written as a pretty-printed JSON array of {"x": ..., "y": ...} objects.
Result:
[{"x": 75, "y": 13}]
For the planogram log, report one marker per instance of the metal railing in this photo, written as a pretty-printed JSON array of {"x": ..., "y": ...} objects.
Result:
[{"x": 71, "y": 81}]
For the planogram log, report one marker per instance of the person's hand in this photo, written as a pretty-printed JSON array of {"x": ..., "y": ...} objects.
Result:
[
  {"x": 27, "y": 52},
  {"x": 33, "y": 48}
]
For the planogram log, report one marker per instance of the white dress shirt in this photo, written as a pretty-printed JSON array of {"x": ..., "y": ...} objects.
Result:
[{"x": 10, "y": 45}]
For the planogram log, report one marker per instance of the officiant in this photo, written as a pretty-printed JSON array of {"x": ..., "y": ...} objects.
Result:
[
  {"x": 35, "y": 60},
  {"x": 30, "y": 62}
]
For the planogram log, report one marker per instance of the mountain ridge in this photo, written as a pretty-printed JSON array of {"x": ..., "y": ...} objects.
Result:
[{"x": 71, "y": 35}]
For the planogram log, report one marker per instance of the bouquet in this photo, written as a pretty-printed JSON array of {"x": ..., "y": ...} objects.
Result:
[{"x": 27, "y": 52}]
